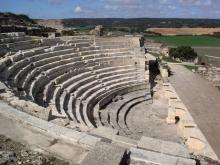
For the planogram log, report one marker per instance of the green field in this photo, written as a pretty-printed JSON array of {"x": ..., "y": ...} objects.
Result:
[{"x": 187, "y": 40}]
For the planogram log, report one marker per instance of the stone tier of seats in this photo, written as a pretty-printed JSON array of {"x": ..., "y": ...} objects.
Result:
[
  {"x": 114, "y": 114},
  {"x": 87, "y": 149},
  {"x": 92, "y": 85},
  {"x": 14, "y": 42},
  {"x": 11, "y": 35},
  {"x": 72, "y": 78},
  {"x": 14, "y": 39}
]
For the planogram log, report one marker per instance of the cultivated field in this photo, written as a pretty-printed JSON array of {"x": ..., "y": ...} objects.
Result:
[
  {"x": 184, "y": 31},
  {"x": 187, "y": 40}
]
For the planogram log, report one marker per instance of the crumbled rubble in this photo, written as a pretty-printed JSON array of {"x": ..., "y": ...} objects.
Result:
[{"x": 13, "y": 153}]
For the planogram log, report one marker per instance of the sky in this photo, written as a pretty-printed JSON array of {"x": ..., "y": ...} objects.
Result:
[{"x": 57, "y": 9}]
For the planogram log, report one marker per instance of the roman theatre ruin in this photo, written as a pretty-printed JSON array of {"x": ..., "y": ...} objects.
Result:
[{"x": 94, "y": 100}]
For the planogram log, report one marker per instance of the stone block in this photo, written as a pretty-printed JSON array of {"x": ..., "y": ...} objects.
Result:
[
  {"x": 124, "y": 141},
  {"x": 105, "y": 154},
  {"x": 195, "y": 144},
  {"x": 161, "y": 146},
  {"x": 104, "y": 132},
  {"x": 155, "y": 158},
  {"x": 89, "y": 140}
]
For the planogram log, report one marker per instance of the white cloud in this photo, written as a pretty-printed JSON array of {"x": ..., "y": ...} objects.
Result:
[{"x": 80, "y": 10}]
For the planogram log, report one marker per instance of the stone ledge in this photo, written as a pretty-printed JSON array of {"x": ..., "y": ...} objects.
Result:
[
  {"x": 155, "y": 158},
  {"x": 105, "y": 154},
  {"x": 165, "y": 147},
  {"x": 194, "y": 138},
  {"x": 47, "y": 128}
]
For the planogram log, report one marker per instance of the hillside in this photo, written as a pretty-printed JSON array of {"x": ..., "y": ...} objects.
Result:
[
  {"x": 14, "y": 19},
  {"x": 10, "y": 22},
  {"x": 135, "y": 22}
]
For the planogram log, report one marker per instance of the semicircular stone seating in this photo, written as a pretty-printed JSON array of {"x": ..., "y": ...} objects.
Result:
[{"x": 77, "y": 79}]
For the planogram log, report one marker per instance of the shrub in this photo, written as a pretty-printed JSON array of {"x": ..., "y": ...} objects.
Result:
[{"x": 184, "y": 53}]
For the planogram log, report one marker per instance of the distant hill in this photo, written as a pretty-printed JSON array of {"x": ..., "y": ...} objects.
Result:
[
  {"x": 111, "y": 24},
  {"x": 14, "y": 19},
  {"x": 136, "y": 22},
  {"x": 23, "y": 20},
  {"x": 10, "y": 22}
]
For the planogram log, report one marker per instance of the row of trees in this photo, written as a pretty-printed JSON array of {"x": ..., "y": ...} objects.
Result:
[{"x": 183, "y": 53}]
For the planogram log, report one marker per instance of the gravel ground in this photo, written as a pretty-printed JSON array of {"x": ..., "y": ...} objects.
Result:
[{"x": 13, "y": 153}]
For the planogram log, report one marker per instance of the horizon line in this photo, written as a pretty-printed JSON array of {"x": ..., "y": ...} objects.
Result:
[
  {"x": 123, "y": 18},
  {"x": 196, "y": 18}
]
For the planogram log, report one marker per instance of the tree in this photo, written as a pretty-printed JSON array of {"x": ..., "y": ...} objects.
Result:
[{"x": 184, "y": 53}]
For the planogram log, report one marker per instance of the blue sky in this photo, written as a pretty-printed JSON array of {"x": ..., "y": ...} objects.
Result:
[{"x": 113, "y": 8}]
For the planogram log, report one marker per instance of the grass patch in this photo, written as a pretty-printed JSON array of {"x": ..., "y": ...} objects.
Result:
[
  {"x": 191, "y": 67},
  {"x": 187, "y": 40}
]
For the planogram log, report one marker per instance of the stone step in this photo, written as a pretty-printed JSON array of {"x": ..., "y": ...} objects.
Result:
[
  {"x": 165, "y": 147},
  {"x": 139, "y": 156},
  {"x": 104, "y": 132},
  {"x": 105, "y": 154}
]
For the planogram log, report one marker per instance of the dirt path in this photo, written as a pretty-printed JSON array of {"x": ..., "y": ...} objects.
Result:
[{"x": 202, "y": 101}]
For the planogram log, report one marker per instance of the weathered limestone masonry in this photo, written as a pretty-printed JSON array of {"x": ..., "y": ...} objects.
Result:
[
  {"x": 90, "y": 149},
  {"x": 43, "y": 136},
  {"x": 212, "y": 74},
  {"x": 210, "y": 61},
  {"x": 191, "y": 134},
  {"x": 98, "y": 31},
  {"x": 134, "y": 43},
  {"x": 54, "y": 95},
  {"x": 164, "y": 69},
  {"x": 66, "y": 80},
  {"x": 178, "y": 115},
  {"x": 26, "y": 106}
]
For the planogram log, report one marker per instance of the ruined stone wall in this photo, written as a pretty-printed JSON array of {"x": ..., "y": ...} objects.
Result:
[{"x": 210, "y": 61}]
